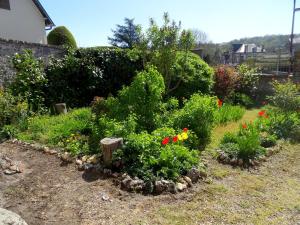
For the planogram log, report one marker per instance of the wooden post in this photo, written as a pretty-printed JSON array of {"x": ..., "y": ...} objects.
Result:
[
  {"x": 61, "y": 108},
  {"x": 108, "y": 146}
]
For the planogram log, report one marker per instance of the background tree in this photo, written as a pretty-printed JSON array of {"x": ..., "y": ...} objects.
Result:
[
  {"x": 200, "y": 37},
  {"x": 159, "y": 46},
  {"x": 125, "y": 36}
]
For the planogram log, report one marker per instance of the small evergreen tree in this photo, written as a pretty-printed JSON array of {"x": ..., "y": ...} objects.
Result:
[
  {"x": 61, "y": 36},
  {"x": 125, "y": 36}
]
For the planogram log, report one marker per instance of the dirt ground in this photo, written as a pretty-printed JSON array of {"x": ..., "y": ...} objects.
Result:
[{"x": 50, "y": 193}]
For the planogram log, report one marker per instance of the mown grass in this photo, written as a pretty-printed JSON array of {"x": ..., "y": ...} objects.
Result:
[
  {"x": 270, "y": 196},
  {"x": 50, "y": 130},
  {"x": 219, "y": 131}
]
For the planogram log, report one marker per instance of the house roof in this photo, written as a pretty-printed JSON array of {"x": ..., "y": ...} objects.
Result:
[{"x": 48, "y": 20}]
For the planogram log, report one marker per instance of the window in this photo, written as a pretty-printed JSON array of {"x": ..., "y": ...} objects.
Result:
[{"x": 4, "y": 4}]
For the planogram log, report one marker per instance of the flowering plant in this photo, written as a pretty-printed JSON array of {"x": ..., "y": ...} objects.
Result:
[{"x": 179, "y": 137}]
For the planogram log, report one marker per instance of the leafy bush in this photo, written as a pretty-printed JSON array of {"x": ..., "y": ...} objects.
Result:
[
  {"x": 85, "y": 73},
  {"x": 267, "y": 140},
  {"x": 194, "y": 75},
  {"x": 282, "y": 124},
  {"x": 228, "y": 113},
  {"x": 248, "y": 79},
  {"x": 143, "y": 98},
  {"x": 55, "y": 130},
  {"x": 197, "y": 114},
  {"x": 30, "y": 80},
  {"x": 241, "y": 99},
  {"x": 12, "y": 109},
  {"x": 226, "y": 81},
  {"x": 286, "y": 96},
  {"x": 61, "y": 36},
  {"x": 144, "y": 156},
  {"x": 72, "y": 80},
  {"x": 243, "y": 145}
]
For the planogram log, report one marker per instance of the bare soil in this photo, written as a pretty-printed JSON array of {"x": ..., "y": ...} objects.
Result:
[{"x": 48, "y": 192}]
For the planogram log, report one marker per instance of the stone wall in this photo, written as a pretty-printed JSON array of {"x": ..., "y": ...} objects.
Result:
[{"x": 9, "y": 48}]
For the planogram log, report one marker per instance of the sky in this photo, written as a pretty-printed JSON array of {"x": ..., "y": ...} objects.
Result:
[{"x": 91, "y": 21}]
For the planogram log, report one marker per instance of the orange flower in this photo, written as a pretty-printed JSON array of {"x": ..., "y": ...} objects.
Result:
[
  {"x": 220, "y": 103},
  {"x": 261, "y": 113},
  {"x": 165, "y": 141},
  {"x": 185, "y": 130},
  {"x": 244, "y": 126}
]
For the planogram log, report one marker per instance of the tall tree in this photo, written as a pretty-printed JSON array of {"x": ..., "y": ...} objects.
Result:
[
  {"x": 159, "y": 46},
  {"x": 125, "y": 36},
  {"x": 200, "y": 37}
]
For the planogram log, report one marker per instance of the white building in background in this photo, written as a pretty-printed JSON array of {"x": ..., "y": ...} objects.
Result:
[{"x": 24, "y": 20}]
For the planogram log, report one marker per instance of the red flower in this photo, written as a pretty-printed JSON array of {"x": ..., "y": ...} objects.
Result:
[
  {"x": 244, "y": 126},
  {"x": 261, "y": 113},
  {"x": 220, "y": 103},
  {"x": 165, "y": 141},
  {"x": 185, "y": 130},
  {"x": 175, "y": 139}
]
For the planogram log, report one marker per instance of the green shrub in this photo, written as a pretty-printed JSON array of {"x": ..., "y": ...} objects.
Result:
[
  {"x": 267, "y": 140},
  {"x": 145, "y": 157},
  {"x": 248, "y": 79},
  {"x": 282, "y": 124},
  {"x": 12, "y": 109},
  {"x": 54, "y": 130},
  {"x": 61, "y": 36},
  {"x": 30, "y": 80},
  {"x": 243, "y": 145},
  {"x": 142, "y": 98},
  {"x": 286, "y": 96},
  {"x": 228, "y": 113},
  {"x": 197, "y": 114},
  {"x": 241, "y": 99},
  {"x": 197, "y": 76},
  {"x": 85, "y": 73}
]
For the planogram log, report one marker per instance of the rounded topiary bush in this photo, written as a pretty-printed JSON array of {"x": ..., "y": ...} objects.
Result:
[
  {"x": 197, "y": 76},
  {"x": 61, "y": 36}
]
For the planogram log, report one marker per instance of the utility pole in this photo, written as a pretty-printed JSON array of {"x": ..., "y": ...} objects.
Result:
[{"x": 292, "y": 37}]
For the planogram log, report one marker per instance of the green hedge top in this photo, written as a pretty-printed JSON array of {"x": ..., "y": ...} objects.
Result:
[{"x": 61, "y": 36}]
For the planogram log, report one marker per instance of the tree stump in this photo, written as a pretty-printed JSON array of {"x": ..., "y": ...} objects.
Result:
[
  {"x": 61, "y": 108},
  {"x": 108, "y": 146}
]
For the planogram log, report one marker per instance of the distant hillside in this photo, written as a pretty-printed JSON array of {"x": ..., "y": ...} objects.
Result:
[{"x": 270, "y": 42}]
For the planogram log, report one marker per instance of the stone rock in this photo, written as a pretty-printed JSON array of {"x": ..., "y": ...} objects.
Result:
[
  {"x": 66, "y": 157},
  {"x": 78, "y": 162},
  {"x": 93, "y": 159},
  {"x": 115, "y": 175},
  {"x": 188, "y": 181},
  {"x": 222, "y": 156},
  {"x": 53, "y": 152},
  {"x": 88, "y": 167},
  {"x": 234, "y": 161},
  {"x": 148, "y": 187},
  {"x": 194, "y": 174},
  {"x": 125, "y": 184},
  {"x": 159, "y": 187},
  {"x": 10, "y": 172},
  {"x": 84, "y": 158},
  {"x": 136, "y": 185},
  {"x": 172, "y": 187},
  {"x": 10, "y": 218},
  {"x": 240, "y": 162},
  {"x": 80, "y": 167},
  {"x": 46, "y": 150},
  {"x": 107, "y": 172},
  {"x": 181, "y": 187}
]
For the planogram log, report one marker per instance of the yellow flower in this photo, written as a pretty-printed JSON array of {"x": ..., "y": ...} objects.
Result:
[
  {"x": 179, "y": 137},
  {"x": 184, "y": 136}
]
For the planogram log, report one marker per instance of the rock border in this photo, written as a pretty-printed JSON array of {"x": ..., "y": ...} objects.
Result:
[
  {"x": 123, "y": 180},
  {"x": 226, "y": 159}
]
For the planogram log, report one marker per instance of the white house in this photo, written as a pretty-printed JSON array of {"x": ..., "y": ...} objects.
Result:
[{"x": 24, "y": 20}]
